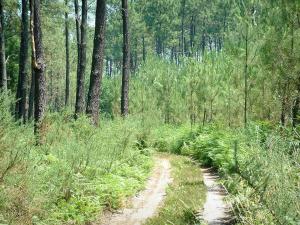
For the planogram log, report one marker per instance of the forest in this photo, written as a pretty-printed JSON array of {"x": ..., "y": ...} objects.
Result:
[{"x": 155, "y": 112}]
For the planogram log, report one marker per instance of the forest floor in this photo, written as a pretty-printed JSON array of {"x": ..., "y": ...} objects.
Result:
[
  {"x": 146, "y": 203},
  {"x": 216, "y": 210},
  {"x": 177, "y": 190}
]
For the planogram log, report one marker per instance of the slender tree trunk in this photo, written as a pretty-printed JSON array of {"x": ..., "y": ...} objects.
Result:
[
  {"x": 246, "y": 79},
  {"x": 97, "y": 63},
  {"x": 283, "y": 105},
  {"x": 67, "y": 90},
  {"x": 32, "y": 84},
  {"x": 204, "y": 117},
  {"x": 77, "y": 20},
  {"x": 182, "y": 26},
  {"x": 295, "y": 110},
  {"x": 126, "y": 60},
  {"x": 176, "y": 55},
  {"x": 80, "y": 96},
  {"x": 3, "y": 74},
  {"x": 39, "y": 67},
  {"x": 172, "y": 54},
  {"x": 192, "y": 35},
  {"x": 31, "y": 95},
  {"x": 144, "y": 49},
  {"x": 110, "y": 67},
  {"x": 203, "y": 44},
  {"x": 22, "y": 80}
]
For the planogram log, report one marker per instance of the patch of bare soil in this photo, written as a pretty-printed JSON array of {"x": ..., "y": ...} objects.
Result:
[
  {"x": 146, "y": 203},
  {"x": 216, "y": 210}
]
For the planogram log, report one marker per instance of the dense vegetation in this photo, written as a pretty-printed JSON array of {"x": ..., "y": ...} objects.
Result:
[
  {"x": 218, "y": 81},
  {"x": 260, "y": 168}
]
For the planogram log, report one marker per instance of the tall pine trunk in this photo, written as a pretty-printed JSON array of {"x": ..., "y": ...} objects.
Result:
[
  {"x": 192, "y": 35},
  {"x": 246, "y": 79},
  {"x": 97, "y": 63},
  {"x": 67, "y": 89},
  {"x": 39, "y": 67},
  {"x": 31, "y": 95},
  {"x": 182, "y": 26},
  {"x": 3, "y": 74},
  {"x": 144, "y": 49},
  {"x": 22, "y": 80},
  {"x": 126, "y": 60},
  {"x": 80, "y": 95},
  {"x": 32, "y": 82},
  {"x": 77, "y": 21},
  {"x": 296, "y": 106}
]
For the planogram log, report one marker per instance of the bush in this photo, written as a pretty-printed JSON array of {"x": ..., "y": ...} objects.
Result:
[
  {"x": 78, "y": 172},
  {"x": 259, "y": 166}
]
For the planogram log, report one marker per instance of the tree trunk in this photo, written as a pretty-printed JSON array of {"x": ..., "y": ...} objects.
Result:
[
  {"x": 80, "y": 97},
  {"x": 246, "y": 79},
  {"x": 31, "y": 95},
  {"x": 67, "y": 90},
  {"x": 77, "y": 20},
  {"x": 126, "y": 60},
  {"x": 203, "y": 44},
  {"x": 3, "y": 74},
  {"x": 192, "y": 35},
  {"x": 144, "y": 49},
  {"x": 39, "y": 67},
  {"x": 110, "y": 67},
  {"x": 182, "y": 26},
  {"x": 22, "y": 80},
  {"x": 97, "y": 63},
  {"x": 32, "y": 85},
  {"x": 283, "y": 106},
  {"x": 295, "y": 109}
]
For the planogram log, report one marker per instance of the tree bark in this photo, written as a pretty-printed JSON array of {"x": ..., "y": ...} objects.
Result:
[
  {"x": 283, "y": 106},
  {"x": 77, "y": 20},
  {"x": 80, "y": 96},
  {"x": 3, "y": 74},
  {"x": 39, "y": 68},
  {"x": 295, "y": 109},
  {"x": 203, "y": 44},
  {"x": 182, "y": 27},
  {"x": 246, "y": 79},
  {"x": 97, "y": 62},
  {"x": 67, "y": 90},
  {"x": 32, "y": 85},
  {"x": 31, "y": 95},
  {"x": 126, "y": 60},
  {"x": 22, "y": 80},
  {"x": 192, "y": 35},
  {"x": 144, "y": 49}
]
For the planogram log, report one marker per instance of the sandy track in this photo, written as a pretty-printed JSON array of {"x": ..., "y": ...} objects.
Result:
[
  {"x": 146, "y": 203},
  {"x": 215, "y": 209}
]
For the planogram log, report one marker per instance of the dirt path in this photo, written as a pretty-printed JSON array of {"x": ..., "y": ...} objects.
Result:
[
  {"x": 146, "y": 203},
  {"x": 215, "y": 209}
]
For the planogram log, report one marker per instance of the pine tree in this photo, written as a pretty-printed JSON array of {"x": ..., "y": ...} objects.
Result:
[
  {"x": 126, "y": 60},
  {"x": 97, "y": 63},
  {"x": 80, "y": 94},
  {"x": 3, "y": 74},
  {"x": 23, "y": 60}
]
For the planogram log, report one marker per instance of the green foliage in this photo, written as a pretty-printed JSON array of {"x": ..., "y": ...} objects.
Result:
[
  {"x": 260, "y": 172},
  {"x": 78, "y": 172},
  {"x": 185, "y": 196}
]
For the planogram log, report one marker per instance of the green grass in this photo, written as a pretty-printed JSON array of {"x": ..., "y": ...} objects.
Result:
[
  {"x": 77, "y": 173},
  {"x": 185, "y": 195},
  {"x": 260, "y": 168}
]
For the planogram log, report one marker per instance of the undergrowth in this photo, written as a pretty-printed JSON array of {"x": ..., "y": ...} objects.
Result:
[
  {"x": 185, "y": 195},
  {"x": 78, "y": 172},
  {"x": 259, "y": 166}
]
